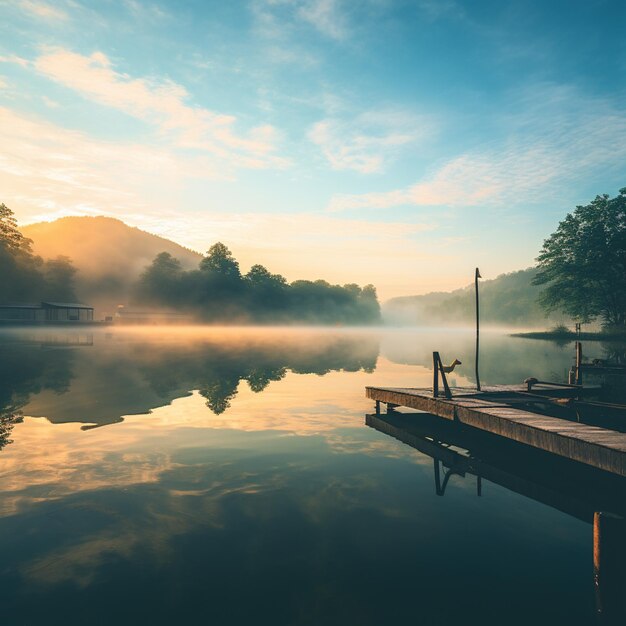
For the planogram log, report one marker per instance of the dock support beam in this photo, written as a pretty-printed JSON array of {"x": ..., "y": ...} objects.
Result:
[
  {"x": 438, "y": 370},
  {"x": 579, "y": 361},
  {"x": 609, "y": 567}
]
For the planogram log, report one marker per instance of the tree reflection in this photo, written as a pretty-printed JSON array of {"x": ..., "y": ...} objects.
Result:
[
  {"x": 216, "y": 369},
  {"x": 25, "y": 370},
  {"x": 9, "y": 416},
  {"x": 219, "y": 392},
  {"x": 118, "y": 374}
]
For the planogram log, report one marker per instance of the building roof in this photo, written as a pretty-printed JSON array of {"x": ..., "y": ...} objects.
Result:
[
  {"x": 21, "y": 305},
  {"x": 41, "y": 305},
  {"x": 67, "y": 305}
]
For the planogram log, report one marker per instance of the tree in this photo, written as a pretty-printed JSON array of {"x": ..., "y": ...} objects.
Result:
[
  {"x": 583, "y": 263},
  {"x": 219, "y": 259},
  {"x": 10, "y": 237},
  {"x": 21, "y": 278},
  {"x": 160, "y": 281},
  {"x": 217, "y": 292}
]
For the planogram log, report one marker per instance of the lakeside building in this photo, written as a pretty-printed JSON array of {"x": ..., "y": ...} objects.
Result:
[{"x": 44, "y": 312}]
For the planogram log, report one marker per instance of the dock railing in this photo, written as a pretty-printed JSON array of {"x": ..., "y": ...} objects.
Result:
[{"x": 438, "y": 371}]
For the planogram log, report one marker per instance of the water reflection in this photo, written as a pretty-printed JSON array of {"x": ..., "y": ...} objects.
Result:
[
  {"x": 580, "y": 491},
  {"x": 98, "y": 379},
  {"x": 503, "y": 359},
  {"x": 27, "y": 369},
  {"x": 284, "y": 498},
  {"x": 457, "y": 450}
]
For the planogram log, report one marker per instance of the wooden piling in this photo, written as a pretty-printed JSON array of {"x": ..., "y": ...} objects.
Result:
[
  {"x": 579, "y": 361},
  {"x": 609, "y": 565}
]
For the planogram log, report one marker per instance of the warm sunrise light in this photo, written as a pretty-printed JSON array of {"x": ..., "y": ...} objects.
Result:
[
  {"x": 250, "y": 371},
  {"x": 312, "y": 137}
]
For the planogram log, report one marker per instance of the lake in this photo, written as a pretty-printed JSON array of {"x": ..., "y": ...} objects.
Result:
[{"x": 227, "y": 476}]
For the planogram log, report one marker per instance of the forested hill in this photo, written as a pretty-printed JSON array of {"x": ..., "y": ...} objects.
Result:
[
  {"x": 107, "y": 263},
  {"x": 109, "y": 255},
  {"x": 509, "y": 299}
]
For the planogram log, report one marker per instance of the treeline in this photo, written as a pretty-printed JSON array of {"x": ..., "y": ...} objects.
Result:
[
  {"x": 218, "y": 292},
  {"x": 25, "y": 276},
  {"x": 510, "y": 299}
]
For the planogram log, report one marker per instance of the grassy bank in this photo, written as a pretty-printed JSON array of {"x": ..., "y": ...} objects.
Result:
[{"x": 560, "y": 334}]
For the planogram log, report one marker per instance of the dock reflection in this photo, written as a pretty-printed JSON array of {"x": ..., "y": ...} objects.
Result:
[{"x": 586, "y": 493}]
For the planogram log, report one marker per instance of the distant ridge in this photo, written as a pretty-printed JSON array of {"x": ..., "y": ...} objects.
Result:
[
  {"x": 509, "y": 299},
  {"x": 108, "y": 254}
]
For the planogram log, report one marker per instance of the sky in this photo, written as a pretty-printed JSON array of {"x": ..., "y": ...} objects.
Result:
[{"x": 394, "y": 142}]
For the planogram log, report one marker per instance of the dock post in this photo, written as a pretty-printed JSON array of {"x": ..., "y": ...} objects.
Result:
[
  {"x": 609, "y": 567},
  {"x": 579, "y": 360},
  {"x": 436, "y": 374}
]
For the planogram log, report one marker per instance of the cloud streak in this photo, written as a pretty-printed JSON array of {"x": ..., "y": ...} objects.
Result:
[
  {"x": 163, "y": 104},
  {"x": 47, "y": 168},
  {"x": 559, "y": 136},
  {"x": 43, "y": 10},
  {"x": 368, "y": 141}
]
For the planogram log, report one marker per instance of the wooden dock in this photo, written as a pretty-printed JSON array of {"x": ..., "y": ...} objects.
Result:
[{"x": 507, "y": 411}]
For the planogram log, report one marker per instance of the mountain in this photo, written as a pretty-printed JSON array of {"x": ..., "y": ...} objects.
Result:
[
  {"x": 510, "y": 299},
  {"x": 108, "y": 254}
]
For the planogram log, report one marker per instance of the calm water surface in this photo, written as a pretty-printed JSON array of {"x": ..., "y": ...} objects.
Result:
[{"x": 227, "y": 477}]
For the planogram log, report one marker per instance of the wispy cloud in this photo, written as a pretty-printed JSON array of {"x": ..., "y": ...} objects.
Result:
[
  {"x": 145, "y": 10},
  {"x": 438, "y": 9},
  {"x": 162, "y": 103},
  {"x": 366, "y": 142},
  {"x": 43, "y": 10},
  {"x": 45, "y": 169},
  {"x": 325, "y": 16},
  {"x": 559, "y": 136},
  {"x": 47, "y": 172},
  {"x": 275, "y": 17}
]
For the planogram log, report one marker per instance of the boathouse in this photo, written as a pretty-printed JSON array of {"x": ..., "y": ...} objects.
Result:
[{"x": 43, "y": 312}]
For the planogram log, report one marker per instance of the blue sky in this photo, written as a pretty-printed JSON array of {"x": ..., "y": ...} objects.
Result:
[{"x": 399, "y": 143}]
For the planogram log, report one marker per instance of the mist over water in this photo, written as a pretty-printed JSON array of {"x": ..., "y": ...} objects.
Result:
[{"x": 174, "y": 475}]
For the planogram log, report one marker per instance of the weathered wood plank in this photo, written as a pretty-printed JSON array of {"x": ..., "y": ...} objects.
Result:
[{"x": 592, "y": 445}]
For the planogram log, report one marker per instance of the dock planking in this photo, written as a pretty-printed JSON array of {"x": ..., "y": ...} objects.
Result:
[{"x": 496, "y": 410}]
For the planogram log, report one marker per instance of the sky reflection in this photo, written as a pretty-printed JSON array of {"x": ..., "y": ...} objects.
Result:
[{"x": 284, "y": 497}]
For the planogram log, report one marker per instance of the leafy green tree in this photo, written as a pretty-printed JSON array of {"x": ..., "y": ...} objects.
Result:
[
  {"x": 160, "y": 281},
  {"x": 583, "y": 263},
  {"x": 10, "y": 237},
  {"x": 266, "y": 292},
  {"x": 217, "y": 292},
  {"x": 22, "y": 279},
  {"x": 220, "y": 260}
]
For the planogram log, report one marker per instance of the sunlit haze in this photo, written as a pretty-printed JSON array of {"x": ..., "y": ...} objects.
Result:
[{"x": 399, "y": 143}]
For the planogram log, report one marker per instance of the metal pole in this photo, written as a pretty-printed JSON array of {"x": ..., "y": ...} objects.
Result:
[{"x": 476, "y": 277}]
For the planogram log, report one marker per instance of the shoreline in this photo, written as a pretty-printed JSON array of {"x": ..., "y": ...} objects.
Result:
[{"x": 571, "y": 336}]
